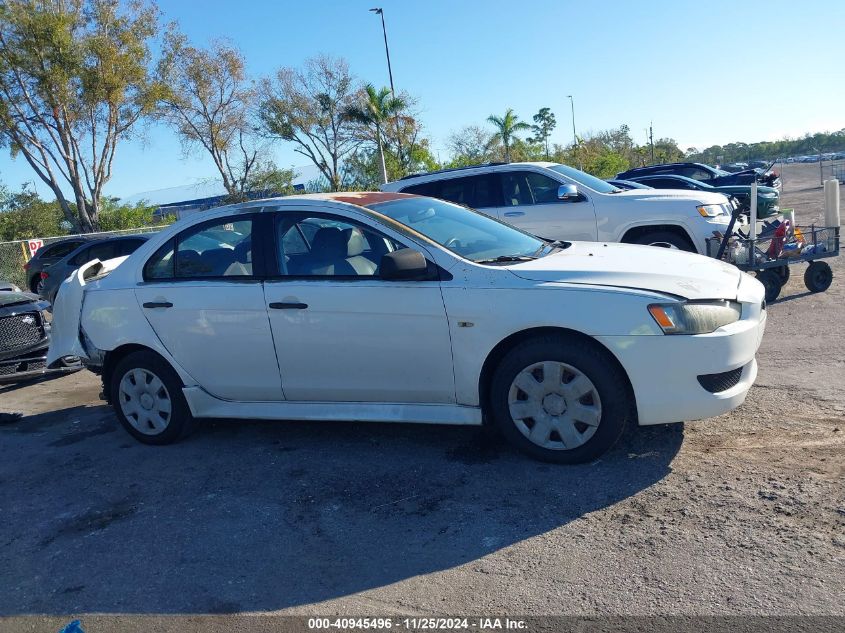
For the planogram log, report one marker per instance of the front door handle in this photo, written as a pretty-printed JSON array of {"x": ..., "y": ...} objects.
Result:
[
  {"x": 513, "y": 214},
  {"x": 158, "y": 304},
  {"x": 288, "y": 306}
]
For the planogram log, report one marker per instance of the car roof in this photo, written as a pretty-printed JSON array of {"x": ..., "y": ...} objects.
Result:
[
  {"x": 663, "y": 165},
  {"x": 456, "y": 172}
]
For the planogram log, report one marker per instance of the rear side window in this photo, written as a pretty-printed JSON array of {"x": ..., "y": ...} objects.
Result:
[
  {"x": 127, "y": 247},
  {"x": 59, "y": 250},
  {"x": 477, "y": 192},
  {"x": 210, "y": 250}
]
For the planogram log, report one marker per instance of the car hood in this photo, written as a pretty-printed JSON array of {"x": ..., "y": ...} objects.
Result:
[
  {"x": 664, "y": 270},
  {"x": 670, "y": 196}
]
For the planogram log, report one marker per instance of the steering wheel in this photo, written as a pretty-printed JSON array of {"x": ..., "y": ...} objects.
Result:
[{"x": 453, "y": 242}]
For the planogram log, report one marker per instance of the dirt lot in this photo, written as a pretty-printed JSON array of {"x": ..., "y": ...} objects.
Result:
[{"x": 740, "y": 514}]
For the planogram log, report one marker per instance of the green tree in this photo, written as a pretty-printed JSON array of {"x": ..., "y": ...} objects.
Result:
[
  {"x": 506, "y": 129},
  {"x": 24, "y": 215},
  {"x": 209, "y": 102},
  {"x": 74, "y": 82},
  {"x": 374, "y": 111},
  {"x": 544, "y": 123},
  {"x": 307, "y": 107},
  {"x": 115, "y": 216}
]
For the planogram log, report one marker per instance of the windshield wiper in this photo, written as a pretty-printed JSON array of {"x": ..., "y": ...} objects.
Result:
[{"x": 506, "y": 258}]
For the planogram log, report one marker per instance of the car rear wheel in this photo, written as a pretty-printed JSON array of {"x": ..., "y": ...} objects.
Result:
[
  {"x": 147, "y": 397},
  {"x": 665, "y": 239},
  {"x": 560, "y": 400}
]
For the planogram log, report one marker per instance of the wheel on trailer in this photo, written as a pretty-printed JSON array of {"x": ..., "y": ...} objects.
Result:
[
  {"x": 771, "y": 282},
  {"x": 783, "y": 273},
  {"x": 818, "y": 277}
]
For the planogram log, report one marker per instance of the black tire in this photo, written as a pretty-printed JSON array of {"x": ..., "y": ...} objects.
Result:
[
  {"x": 818, "y": 277},
  {"x": 616, "y": 402},
  {"x": 771, "y": 282},
  {"x": 179, "y": 423},
  {"x": 783, "y": 274},
  {"x": 665, "y": 239},
  {"x": 33, "y": 283}
]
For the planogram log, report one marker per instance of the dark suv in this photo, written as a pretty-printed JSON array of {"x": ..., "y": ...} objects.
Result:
[
  {"x": 48, "y": 255},
  {"x": 705, "y": 173}
]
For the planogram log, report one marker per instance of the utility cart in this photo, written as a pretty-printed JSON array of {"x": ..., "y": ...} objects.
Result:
[{"x": 778, "y": 246}]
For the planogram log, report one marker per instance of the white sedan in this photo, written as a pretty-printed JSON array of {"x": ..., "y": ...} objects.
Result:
[{"x": 401, "y": 308}]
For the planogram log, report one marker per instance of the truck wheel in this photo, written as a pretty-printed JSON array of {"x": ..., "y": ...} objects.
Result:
[
  {"x": 665, "y": 239},
  {"x": 818, "y": 277},
  {"x": 560, "y": 399},
  {"x": 771, "y": 282}
]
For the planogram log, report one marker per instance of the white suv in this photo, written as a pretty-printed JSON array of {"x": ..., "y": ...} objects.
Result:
[{"x": 559, "y": 202}]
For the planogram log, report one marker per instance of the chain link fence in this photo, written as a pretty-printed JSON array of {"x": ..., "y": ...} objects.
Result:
[{"x": 15, "y": 254}]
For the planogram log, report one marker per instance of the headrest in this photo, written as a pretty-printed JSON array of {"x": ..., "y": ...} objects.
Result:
[
  {"x": 329, "y": 241},
  {"x": 356, "y": 243}
]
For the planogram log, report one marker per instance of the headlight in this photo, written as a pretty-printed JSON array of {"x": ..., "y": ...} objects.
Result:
[
  {"x": 711, "y": 210},
  {"x": 695, "y": 318}
]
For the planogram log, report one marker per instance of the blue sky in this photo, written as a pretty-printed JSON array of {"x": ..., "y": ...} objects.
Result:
[{"x": 703, "y": 72}]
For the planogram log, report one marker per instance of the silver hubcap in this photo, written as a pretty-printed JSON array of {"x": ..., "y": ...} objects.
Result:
[
  {"x": 144, "y": 401},
  {"x": 554, "y": 405}
]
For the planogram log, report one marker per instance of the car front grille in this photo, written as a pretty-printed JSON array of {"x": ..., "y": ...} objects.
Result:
[
  {"x": 22, "y": 365},
  {"x": 20, "y": 331},
  {"x": 716, "y": 383}
]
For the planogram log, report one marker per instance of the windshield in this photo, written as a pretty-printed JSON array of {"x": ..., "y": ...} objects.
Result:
[
  {"x": 596, "y": 184},
  {"x": 467, "y": 233}
]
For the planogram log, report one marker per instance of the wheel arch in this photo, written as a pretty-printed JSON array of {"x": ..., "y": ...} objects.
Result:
[
  {"x": 495, "y": 356},
  {"x": 113, "y": 357},
  {"x": 635, "y": 232}
]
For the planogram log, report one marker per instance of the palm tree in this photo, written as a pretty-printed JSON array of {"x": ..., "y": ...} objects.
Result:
[
  {"x": 506, "y": 127},
  {"x": 374, "y": 110}
]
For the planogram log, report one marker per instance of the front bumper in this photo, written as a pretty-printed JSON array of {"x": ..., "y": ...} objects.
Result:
[
  {"x": 664, "y": 370},
  {"x": 33, "y": 365}
]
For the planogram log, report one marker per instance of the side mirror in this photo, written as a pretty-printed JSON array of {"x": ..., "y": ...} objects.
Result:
[
  {"x": 406, "y": 264},
  {"x": 568, "y": 193}
]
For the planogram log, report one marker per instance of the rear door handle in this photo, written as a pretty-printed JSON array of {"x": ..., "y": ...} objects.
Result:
[
  {"x": 513, "y": 214},
  {"x": 158, "y": 304},
  {"x": 288, "y": 306}
]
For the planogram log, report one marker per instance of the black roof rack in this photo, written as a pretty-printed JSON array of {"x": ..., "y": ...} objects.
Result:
[{"x": 443, "y": 171}]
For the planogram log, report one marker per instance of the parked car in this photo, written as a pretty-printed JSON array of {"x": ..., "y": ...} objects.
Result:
[
  {"x": 705, "y": 173},
  {"x": 627, "y": 184},
  {"x": 102, "y": 249},
  {"x": 48, "y": 255},
  {"x": 25, "y": 336},
  {"x": 563, "y": 203},
  {"x": 733, "y": 168},
  {"x": 768, "y": 198},
  {"x": 391, "y": 307}
]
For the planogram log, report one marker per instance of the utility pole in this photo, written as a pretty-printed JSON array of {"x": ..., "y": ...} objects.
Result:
[
  {"x": 380, "y": 11},
  {"x": 574, "y": 136},
  {"x": 651, "y": 139}
]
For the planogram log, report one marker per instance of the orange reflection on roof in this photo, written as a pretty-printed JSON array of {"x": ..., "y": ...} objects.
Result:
[{"x": 365, "y": 198}]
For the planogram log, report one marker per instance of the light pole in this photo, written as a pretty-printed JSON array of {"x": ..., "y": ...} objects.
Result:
[
  {"x": 574, "y": 137},
  {"x": 380, "y": 11}
]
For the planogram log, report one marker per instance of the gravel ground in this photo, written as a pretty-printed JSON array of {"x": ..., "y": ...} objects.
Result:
[{"x": 743, "y": 514}]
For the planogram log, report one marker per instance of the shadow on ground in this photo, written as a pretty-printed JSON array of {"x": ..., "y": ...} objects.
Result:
[{"x": 263, "y": 516}]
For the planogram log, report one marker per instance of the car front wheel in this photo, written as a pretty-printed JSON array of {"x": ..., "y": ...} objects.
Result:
[
  {"x": 560, "y": 400},
  {"x": 147, "y": 396}
]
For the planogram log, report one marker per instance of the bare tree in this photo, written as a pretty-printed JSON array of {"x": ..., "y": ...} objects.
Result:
[
  {"x": 307, "y": 107},
  {"x": 471, "y": 145},
  {"x": 210, "y": 102},
  {"x": 74, "y": 82}
]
